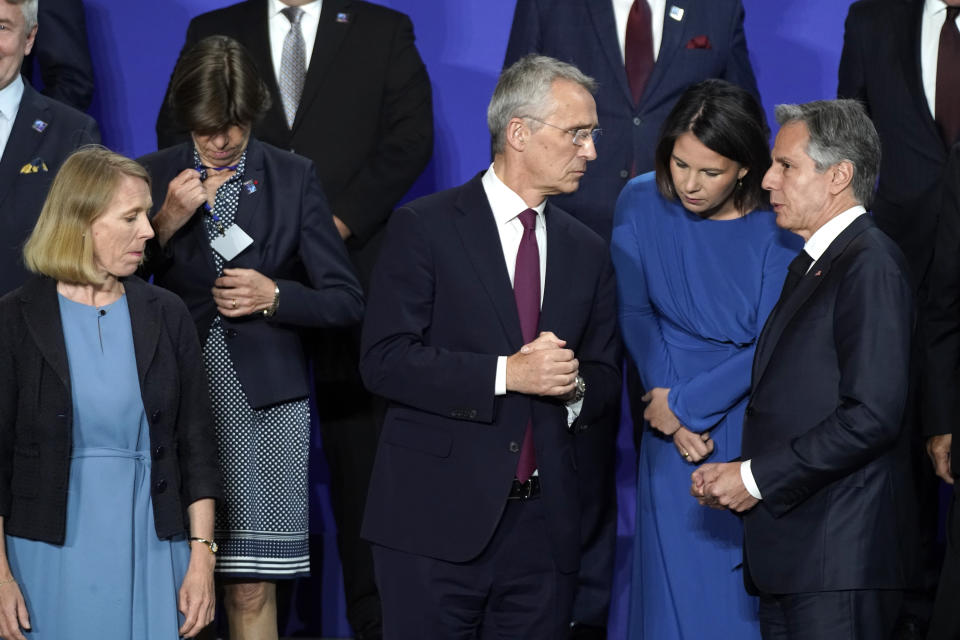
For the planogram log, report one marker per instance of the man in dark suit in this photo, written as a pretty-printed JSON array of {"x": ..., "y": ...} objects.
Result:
[
  {"x": 473, "y": 506},
  {"x": 36, "y": 136},
  {"x": 822, "y": 483},
  {"x": 680, "y": 43},
  {"x": 364, "y": 116},
  {"x": 62, "y": 54}
]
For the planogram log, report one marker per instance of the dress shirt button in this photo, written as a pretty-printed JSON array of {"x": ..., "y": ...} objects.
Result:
[
  {"x": 624, "y": 173},
  {"x": 637, "y": 122},
  {"x": 161, "y": 485},
  {"x": 514, "y": 447},
  {"x": 159, "y": 452}
]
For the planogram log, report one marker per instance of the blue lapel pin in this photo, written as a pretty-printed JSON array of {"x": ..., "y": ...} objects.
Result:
[
  {"x": 250, "y": 186},
  {"x": 343, "y": 18},
  {"x": 39, "y": 126},
  {"x": 676, "y": 13}
]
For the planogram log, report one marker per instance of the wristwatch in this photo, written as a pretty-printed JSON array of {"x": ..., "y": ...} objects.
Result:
[
  {"x": 211, "y": 545},
  {"x": 579, "y": 389}
]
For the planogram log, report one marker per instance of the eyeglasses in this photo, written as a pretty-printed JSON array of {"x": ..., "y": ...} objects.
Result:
[{"x": 580, "y": 136}]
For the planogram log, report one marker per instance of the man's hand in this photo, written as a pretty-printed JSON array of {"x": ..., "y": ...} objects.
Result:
[
  {"x": 693, "y": 447},
  {"x": 720, "y": 486},
  {"x": 543, "y": 367},
  {"x": 184, "y": 194},
  {"x": 938, "y": 448},
  {"x": 658, "y": 412}
]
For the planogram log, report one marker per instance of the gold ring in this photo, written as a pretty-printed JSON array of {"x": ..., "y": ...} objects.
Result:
[
  {"x": 234, "y": 303},
  {"x": 686, "y": 454}
]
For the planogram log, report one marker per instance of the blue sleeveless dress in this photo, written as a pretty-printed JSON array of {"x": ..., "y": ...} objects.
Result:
[{"x": 113, "y": 578}]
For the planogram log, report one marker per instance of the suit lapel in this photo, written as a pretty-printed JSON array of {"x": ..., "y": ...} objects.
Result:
[
  {"x": 145, "y": 318},
  {"x": 41, "y": 312},
  {"x": 909, "y": 55},
  {"x": 605, "y": 26},
  {"x": 672, "y": 35},
  {"x": 330, "y": 34},
  {"x": 784, "y": 312},
  {"x": 249, "y": 203},
  {"x": 24, "y": 140},
  {"x": 481, "y": 243},
  {"x": 561, "y": 266}
]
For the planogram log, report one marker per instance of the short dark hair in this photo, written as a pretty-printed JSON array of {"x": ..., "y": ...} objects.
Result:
[
  {"x": 728, "y": 120},
  {"x": 216, "y": 85}
]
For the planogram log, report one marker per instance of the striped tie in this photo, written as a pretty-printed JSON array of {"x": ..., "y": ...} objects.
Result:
[{"x": 293, "y": 65}]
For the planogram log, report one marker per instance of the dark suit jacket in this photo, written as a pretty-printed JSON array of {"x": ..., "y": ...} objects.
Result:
[
  {"x": 62, "y": 54},
  {"x": 294, "y": 243},
  {"x": 61, "y": 130},
  {"x": 36, "y": 410},
  {"x": 365, "y": 116},
  {"x": 880, "y": 66},
  {"x": 822, "y": 425},
  {"x": 441, "y": 310},
  {"x": 583, "y": 32}
]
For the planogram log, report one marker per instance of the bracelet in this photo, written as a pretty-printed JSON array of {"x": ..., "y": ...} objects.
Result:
[
  {"x": 211, "y": 545},
  {"x": 10, "y": 581},
  {"x": 272, "y": 309}
]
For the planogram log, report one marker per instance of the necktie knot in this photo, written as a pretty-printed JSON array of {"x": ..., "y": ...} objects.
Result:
[
  {"x": 952, "y": 13},
  {"x": 801, "y": 264},
  {"x": 293, "y": 14},
  {"x": 528, "y": 218}
]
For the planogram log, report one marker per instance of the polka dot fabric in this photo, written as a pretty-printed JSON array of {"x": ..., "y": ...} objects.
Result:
[{"x": 262, "y": 524}]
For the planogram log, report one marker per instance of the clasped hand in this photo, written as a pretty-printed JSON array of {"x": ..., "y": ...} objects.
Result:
[
  {"x": 240, "y": 292},
  {"x": 720, "y": 486},
  {"x": 543, "y": 367}
]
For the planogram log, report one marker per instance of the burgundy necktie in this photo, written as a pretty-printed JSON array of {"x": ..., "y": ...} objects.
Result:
[
  {"x": 948, "y": 79},
  {"x": 638, "y": 48},
  {"x": 526, "y": 291}
]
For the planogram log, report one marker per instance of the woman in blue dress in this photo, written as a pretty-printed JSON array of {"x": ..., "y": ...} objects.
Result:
[
  {"x": 108, "y": 468},
  {"x": 700, "y": 263}
]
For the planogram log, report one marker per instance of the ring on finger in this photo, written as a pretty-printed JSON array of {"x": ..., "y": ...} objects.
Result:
[
  {"x": 234, "y": 303},
  {"x": 686, "y": 454}
]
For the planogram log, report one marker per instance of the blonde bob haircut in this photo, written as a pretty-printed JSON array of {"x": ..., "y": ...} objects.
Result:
[{"x": 80, "y": 193}]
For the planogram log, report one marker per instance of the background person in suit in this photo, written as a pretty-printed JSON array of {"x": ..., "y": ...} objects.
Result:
[
  {"x": 363, "y": 114},
  {"x": 822, "y": 482},
  {"x": 245, "y": 237},
  {"x": 36, "y": 136},
  {"x": 473, "y": 506},
  {"x": 643, "y": 54},
  {"x": 62, "y": 55}
]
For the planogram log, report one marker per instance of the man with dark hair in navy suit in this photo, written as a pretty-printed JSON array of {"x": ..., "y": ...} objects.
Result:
[
  {"x": 491, "y": 329},
  {"x": 643, "y": 54},
  {"x": 36, "y": 135}
]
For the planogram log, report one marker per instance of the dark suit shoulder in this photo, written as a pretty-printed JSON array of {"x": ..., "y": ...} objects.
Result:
[
  {"x": 584, "y": 234},
  {"x": 63, "y": 114},
  {"x": 874, "y": 247}
]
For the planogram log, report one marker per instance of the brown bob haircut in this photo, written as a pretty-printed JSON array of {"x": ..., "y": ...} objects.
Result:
[
  {"x": 727, "y": 120},
  {"x": 81, "y": 192},
  {"x": 216, "y": 85}
]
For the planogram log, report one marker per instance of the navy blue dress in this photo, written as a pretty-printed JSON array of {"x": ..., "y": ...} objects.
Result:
[
  {"x": 112, "y": 578},
  {"x": 693, "y": 297}
]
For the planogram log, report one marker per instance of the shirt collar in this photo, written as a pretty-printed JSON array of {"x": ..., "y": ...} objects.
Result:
[
  {"x": 505, "y": 202},
  {"x": 934, "y": 7},
  {"x": 312, "y": 9},
  {"x": 10, "y": 97},
  {"x": 825, "y": 235}
]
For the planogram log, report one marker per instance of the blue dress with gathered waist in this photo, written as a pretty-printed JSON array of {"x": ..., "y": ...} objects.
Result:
[
  {"x": 693, "y": 296},
  {"x": 113, "y": 578}
]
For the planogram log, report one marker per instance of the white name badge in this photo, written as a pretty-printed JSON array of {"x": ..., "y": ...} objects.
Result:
[{"x": 231, "y": 242}]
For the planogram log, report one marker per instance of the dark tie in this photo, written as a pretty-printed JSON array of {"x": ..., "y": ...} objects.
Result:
[
  {"x": 948, "y": 79},
  {"x": 638, "y": 48},
  {"x": 293, "y": 65},
  {"x": 798, "y": 267},
  {"x": 526, "y": 291}
]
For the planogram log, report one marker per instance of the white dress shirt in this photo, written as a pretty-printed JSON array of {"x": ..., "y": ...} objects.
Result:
[
  {"x": 10, "y": 97},
  {"x": 507, "y": 207},
  {"x": 934, "y": 15},
  {"x": 621, "y": 9},
  {"x": 280, "y": 26},
  {"x": 815, "y": 247}
]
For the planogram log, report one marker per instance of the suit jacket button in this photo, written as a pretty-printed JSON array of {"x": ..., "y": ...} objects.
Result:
[
  {"x": 473, "y": 414},
  {"x": 749, "y": 411},
  {"x": 624, "y": 173},
  {"x": 637, "y": 121},
  {"x": 514, "y": 447},
  {"x": 161, "y": 485},
  {"x": 159, "y": 452}
]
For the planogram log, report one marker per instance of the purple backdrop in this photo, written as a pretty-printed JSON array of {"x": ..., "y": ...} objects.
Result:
[{"x": 794, "y": 45}]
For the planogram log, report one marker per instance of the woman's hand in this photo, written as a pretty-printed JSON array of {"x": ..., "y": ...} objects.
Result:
[
  {"x": 196, "y": 598},
  {"x": 13, "y": 611},
  {"x": 240, "y": 292},
  {"x": 184, "y": 194},
  {"x": 658, "y": 412},
  {"x": 693, "y": 447}
]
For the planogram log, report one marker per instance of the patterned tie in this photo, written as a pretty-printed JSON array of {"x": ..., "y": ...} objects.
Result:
[
  {"x": 948, "y": 79},
  {"x": 638, "y": 48},
  {"x": 293, "y": 64},
  {"x": 526, "y": 291},
  {"x": 797, "y": 269}
]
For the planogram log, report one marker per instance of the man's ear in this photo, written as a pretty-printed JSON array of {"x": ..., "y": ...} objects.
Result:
[
  {"x": 841, "y": 176},
  {"x": 517, "y": 133}
]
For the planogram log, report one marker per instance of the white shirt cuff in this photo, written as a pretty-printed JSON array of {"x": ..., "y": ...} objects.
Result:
[
  {"x": 747, "y": 476},
  {"x": 500, "y": 382}
]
